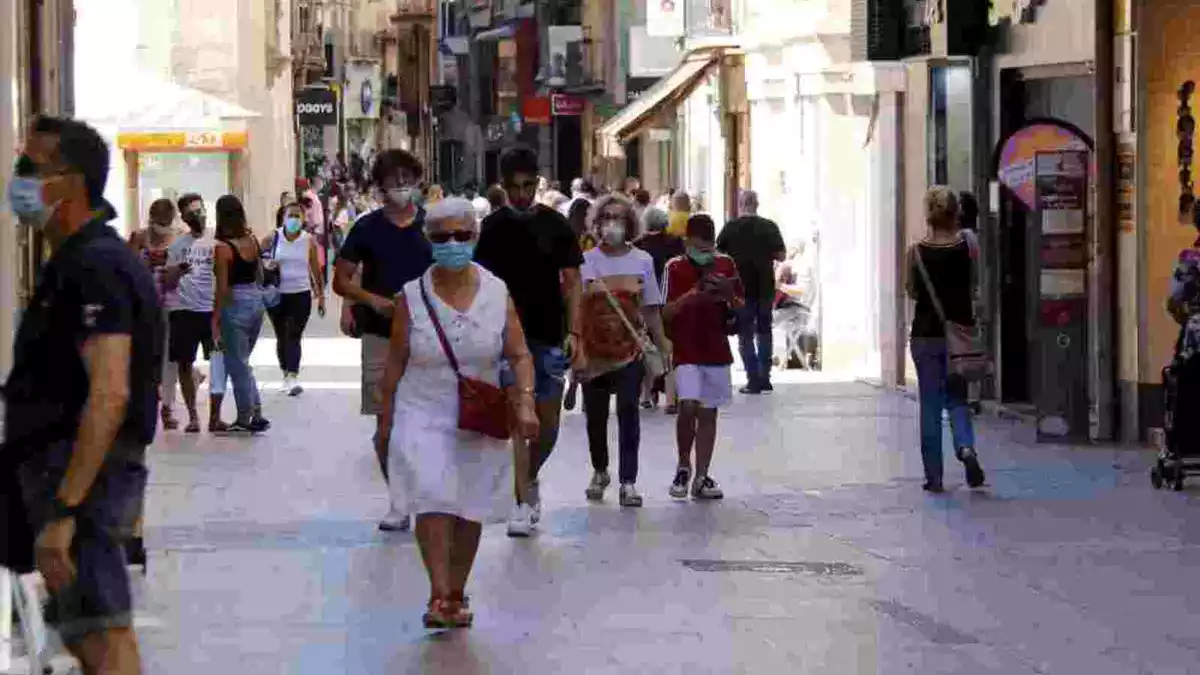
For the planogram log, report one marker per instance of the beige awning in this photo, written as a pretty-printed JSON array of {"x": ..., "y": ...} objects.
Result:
[{"x": 667, "y": 91}]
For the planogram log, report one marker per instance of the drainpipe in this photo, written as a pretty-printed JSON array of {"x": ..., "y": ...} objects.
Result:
[{"x": 1102, "y": 298}]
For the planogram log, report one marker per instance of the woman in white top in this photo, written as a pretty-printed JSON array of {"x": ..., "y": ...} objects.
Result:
[
  {"x": 616, "y": 273},
  {"x": 451, "y": 480},
  {"x": 294, "y": 253}
]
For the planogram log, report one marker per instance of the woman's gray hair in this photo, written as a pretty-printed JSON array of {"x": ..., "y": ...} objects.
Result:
[
  {"x": 451, "y": 208},
  {"x": 631, "y": 220},
  {"x": 655, "y": 219}
]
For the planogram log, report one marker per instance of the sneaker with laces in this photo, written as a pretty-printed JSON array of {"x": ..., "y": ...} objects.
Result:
[
  {"x": 395, "y": 521},
  {"x": 285, "y": 387},
  {"x": 595, "y": 489},
  {"x": 706, "y": 488},
  {"x": 629, "y": 496},
  {"x": 679, "y": 486},
  {"x": 520, "y": 521},
  {"x": 294, "y": 388}
]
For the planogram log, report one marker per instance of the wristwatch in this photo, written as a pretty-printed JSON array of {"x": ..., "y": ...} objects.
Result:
[{"x": 59, "y": 510}]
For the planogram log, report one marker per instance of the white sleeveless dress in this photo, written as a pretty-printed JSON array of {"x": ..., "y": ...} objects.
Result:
[{"x": 434, "y": 467}]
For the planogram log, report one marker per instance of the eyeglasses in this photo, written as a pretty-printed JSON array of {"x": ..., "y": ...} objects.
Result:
[{"x": 461, "y": 236}]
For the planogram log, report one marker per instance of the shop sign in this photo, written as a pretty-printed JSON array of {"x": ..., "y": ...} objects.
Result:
[
  {"x": 181, "y": 141},
  {"x": 566, "y": 105},
  {"x": 536, "y": 110},
  {"x": 316, "y": 107}
]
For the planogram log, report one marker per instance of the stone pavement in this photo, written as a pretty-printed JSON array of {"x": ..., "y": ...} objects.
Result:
[{"x": 824, "y": 558}]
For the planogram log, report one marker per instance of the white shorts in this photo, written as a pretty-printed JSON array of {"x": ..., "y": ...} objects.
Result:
[{"x": 712, "y": 386}]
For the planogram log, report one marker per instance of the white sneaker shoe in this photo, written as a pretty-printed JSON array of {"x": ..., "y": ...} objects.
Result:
[
  {"x": 293, "y": 384},
  {"x": 705, "y": 487},
  {"x": 629, "y": 496},
  {"x": 521, "y": 522},
  {"x": 395, "y": 521},
  {"x": 595, "y": 489},
  {"x": 535, "y": 500},
  {"x": 285, "y": 387}
]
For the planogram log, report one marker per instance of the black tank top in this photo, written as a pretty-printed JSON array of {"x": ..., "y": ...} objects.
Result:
[{"x": 243, "y": 271}]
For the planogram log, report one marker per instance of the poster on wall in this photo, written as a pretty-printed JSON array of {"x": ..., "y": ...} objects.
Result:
[
  {"x": 1061, "y": 191},
  {"x": 664, "y": 18},
  {"x": 1016, "y": 154}
]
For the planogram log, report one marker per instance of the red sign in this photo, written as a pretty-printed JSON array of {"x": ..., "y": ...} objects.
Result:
[
  {"x": 566, "y": 105},
  {"x": 536, "y": 110}
]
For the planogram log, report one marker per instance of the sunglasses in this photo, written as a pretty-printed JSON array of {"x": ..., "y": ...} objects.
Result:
[{"x": 461, "y": 236}]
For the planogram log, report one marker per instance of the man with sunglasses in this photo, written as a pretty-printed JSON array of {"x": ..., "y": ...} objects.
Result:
[
  {"x": 534, "y": 251},
  {"x": 80, "y": 400},
  {"x": 389, "y": 248}
]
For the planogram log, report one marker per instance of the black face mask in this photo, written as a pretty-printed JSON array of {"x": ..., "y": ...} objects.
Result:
[{"x": 194, "y": 221}]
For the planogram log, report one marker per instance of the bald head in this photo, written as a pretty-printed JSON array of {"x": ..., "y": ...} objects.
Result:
[{"x": 748, "y": 203}]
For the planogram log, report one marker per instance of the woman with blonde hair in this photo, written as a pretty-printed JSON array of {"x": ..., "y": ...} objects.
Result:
[{"x": 940, "y": 272}]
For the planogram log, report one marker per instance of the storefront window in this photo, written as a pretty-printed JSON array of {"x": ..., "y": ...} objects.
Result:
[
  {"x": 172, "y": 175},
  {"x": 950, "y": 129}
]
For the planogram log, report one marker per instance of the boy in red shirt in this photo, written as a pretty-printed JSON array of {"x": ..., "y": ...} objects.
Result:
[{"x": 702, "y": 292}]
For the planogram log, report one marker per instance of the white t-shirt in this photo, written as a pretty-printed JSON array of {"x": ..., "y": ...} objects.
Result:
[
  {"x": 621, "y": 272},
  {"x": 196, "y": 288}
]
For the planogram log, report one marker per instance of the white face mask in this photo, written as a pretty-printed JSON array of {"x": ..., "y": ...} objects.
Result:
[{"x": 613, "y": 233}]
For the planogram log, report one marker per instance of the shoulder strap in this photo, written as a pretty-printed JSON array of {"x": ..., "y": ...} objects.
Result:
[
  {"x": 616, "y": 305},
  {"x": 437, "y": 327},
  {"x": 933, "y": 296}
]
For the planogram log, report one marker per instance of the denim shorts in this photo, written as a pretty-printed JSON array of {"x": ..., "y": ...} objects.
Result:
[
  {"x": 99, "y": 597},
  {"x": 549, "y": 372}
]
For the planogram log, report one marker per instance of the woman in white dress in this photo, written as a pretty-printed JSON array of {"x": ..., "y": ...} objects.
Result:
[{"x": 452, "y": 480}]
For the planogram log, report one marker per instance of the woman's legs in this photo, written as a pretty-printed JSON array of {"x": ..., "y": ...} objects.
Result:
[
  {"x": 435, "y": 537},
  {"x": 595, "y": 410},
  {"x": 299, "y": 310},
  {"x": 629, "y": 422},
  {"x": 929, "y": 357},
  {"x": 237, "y": 321},
  {"x": 279, "y": 325},
  {"x": 462, "y": 555}
]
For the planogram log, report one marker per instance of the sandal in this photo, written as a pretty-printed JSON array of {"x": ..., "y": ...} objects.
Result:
[
  {"x": 462, "y": 617},
  {"x": 218, "y": 427},
  {"x": 168, "y": 419},
  {"x": 440, "y": 613},
  {"x": 192, "y": 427}
]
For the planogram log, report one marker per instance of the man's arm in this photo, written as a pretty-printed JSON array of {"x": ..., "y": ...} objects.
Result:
[
  {"x": 346, "y": 282},
  {"x": 777, "y": 247},
  {"x": 106, "y": 359}
]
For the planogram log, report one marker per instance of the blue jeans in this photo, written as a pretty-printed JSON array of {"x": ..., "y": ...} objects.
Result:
[
  {"x": 626, "y": 383},
  {"x": 755, "y": 322},
  {"x": 549, "y": 372},
  {"x": 938, "y": 391},
  {"x": 241, "y": 322}
]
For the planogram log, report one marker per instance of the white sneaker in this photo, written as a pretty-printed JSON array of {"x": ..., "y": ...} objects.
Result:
[
  {"x": 629, "y": 496},
  {"x": 293, "y": 384},
  {"x": 521, "y": 522},
  {"x": 706, "y": 488},
  {"x": 395, "y": 521},
  {"x": 595, "y": 489},
  {"x": 535, "y": 500},
  {"x": 285, "y": 387}
]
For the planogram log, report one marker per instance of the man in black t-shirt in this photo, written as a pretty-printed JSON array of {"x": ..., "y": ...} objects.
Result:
[
  {"x": 81, "y": 398},
  {"x": 755, "y": 244},
  {"x": 534, "y": 251},
  {"x": 388, "y": 247}
]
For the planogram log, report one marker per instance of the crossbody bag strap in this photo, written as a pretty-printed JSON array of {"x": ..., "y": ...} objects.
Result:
[
  {"x": 933, "y": 296},
  {"x": 437, "y": 327},
  {"x": 616, "y": 305}
]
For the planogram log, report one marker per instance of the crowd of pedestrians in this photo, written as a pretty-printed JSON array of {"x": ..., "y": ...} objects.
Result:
[{"x": 478, "y": 316}]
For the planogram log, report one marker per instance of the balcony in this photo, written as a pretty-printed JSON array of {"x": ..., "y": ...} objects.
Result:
[
  {"x": 415, "y": 10},
  {"x": 583, "y": 71}
]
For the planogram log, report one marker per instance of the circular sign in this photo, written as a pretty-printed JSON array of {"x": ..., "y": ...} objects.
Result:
[{"x": 366, "y": 96}]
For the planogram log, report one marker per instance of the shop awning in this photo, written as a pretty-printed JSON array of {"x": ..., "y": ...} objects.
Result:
[
  {"x": 505, "y": 31},
  {"x": 146, "y": 103},
  {"x": 667, "y": 91}
]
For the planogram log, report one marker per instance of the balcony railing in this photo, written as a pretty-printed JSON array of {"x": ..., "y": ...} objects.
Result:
[
  {"x": 410, "y": 10},
  {"x": 584, "y": 67},
  {"x": 709, "y": 17}
]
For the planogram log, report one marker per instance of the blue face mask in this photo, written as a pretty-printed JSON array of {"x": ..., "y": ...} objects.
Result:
[
  {"x": 25, "y": 196},
  {"x": 291, "y": 225},
  {"x": 454, "y": 255}
]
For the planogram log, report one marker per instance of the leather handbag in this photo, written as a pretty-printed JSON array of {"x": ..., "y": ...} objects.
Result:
[
  {"x": 482, "y": 406},
  {"x": 965, "y": 347}
]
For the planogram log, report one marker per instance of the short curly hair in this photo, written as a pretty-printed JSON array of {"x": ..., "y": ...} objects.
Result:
[
  {"x": 941, "y": 206},
  {"x": 630, "y": 218}
]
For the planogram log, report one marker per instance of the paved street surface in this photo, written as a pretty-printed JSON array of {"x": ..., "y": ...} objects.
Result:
[{"x": 825, "y": 557}]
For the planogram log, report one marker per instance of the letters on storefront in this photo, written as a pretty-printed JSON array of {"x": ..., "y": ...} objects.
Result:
[{"x": 317, "y": 107}]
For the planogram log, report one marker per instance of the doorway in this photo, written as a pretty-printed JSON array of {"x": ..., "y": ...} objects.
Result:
[{"x": 568, "y": 148}]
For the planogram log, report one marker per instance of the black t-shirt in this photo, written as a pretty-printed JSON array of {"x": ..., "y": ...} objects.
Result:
[
  {"x": 92, "y": 285},
  {"x": 661, "y": 247},
  {"x": 528, "y": 252},
  {"x": 755, "y": 244},
  {"x": 390, "y": 257},
  {"x": 949, "y": 268}
]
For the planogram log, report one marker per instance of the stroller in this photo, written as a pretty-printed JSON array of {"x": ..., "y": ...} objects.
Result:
[
  {"x": 1179, "y": 455},
  {"x": 800, "y": 331}
]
